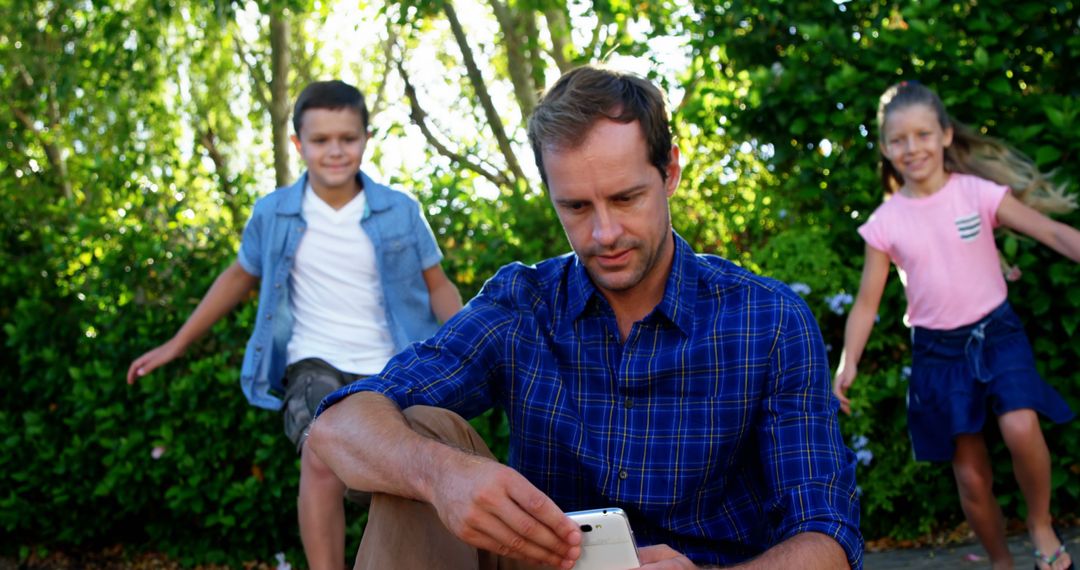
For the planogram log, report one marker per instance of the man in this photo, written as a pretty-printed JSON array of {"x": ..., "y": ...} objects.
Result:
[{"x": 690, "y": 393}]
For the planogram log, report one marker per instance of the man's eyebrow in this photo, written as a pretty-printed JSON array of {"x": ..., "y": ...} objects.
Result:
[{"x": 631, "y": 190}]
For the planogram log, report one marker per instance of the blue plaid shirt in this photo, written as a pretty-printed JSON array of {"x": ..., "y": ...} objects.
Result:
[{"x": 713, "y": 424}]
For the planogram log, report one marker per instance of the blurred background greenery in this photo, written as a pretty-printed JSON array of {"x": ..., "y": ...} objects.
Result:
[{"x": 138, "y": 133}]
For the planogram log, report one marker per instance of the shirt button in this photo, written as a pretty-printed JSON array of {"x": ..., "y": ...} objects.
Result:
[
  {"x": 277, "y": 285},
  {"x": 623, "y": 474},
  {"x": 629, "y": 403},
  {"x": 258, "y": 348},
  {"x": 269, "y": 317}
]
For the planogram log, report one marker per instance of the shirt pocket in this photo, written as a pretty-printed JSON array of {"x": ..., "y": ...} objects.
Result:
[{"x": 400, "y": 260}]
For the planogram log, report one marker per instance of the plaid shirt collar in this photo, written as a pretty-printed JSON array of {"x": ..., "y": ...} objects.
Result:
[{"x": 680, "y": 290}]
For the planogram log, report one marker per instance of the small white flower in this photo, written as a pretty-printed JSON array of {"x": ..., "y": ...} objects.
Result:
[
  {"x": 157, "y": 452},
  {"x": 864, "y": 456},
  {"x": 859, "y": 442},
  {"x": 281, "y": 563},
  {"x": 839, "y": 302},
  {"x": 905, "y": 372},
  {"x": 800, "y": 288}
]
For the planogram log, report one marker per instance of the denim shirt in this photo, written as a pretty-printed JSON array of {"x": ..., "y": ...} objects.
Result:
[{"x": 404, "y": 247}]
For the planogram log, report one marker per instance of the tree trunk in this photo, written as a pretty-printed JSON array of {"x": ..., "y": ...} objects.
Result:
[{"x": 279, "y": 94}]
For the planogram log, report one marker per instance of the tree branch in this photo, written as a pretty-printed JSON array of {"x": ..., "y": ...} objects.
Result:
[
  {"x": 52, "y": 152},
  {"x": 259, "y": 83},
  {"x": 279, "y": 94},
  {"x": 378, "y": 100},
  {"x": 419, "y": 118},
  {"x": 482, "y": 94},
  {"x": 519, "y": 65},
  {"x": 559, "y": 31}
]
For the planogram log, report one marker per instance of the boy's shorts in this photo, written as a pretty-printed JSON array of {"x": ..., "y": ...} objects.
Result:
[{"x": 307, "y": 382}]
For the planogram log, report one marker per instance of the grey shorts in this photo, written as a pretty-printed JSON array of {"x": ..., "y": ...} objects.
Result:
[{"x": 307, "y": 382}]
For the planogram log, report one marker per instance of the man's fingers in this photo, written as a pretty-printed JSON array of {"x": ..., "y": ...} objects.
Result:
[
  {"x": 493, "y": 534},
  {"x": 539, "y": 507}
]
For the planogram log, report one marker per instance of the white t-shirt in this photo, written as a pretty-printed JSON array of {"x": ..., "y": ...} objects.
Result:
[
  {"x": 337, "y": 299},
  {"x": 943, "y": 246}
]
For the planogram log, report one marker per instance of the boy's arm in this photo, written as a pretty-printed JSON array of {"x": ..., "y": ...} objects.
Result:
[
  {"x": 445, "y": 299},
  {"x": 231, "y": 287}
]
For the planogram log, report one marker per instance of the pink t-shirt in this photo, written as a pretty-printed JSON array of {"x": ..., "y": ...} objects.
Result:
[{"x": 943, "y": 246}]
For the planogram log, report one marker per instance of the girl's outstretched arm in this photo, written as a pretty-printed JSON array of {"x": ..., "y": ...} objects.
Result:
[
  {"x": 1060, "y": 237},
  {"x": 860, "y": 321}
]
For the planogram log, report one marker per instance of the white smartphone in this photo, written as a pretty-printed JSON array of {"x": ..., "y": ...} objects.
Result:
[{"x": 607, "y": 543}]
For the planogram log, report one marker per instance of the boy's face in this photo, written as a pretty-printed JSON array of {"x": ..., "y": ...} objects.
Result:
[{"x": 331, "y": 142}]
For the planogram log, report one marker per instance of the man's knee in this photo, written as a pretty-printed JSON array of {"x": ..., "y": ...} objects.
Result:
[{"x": 446, "y": 426}]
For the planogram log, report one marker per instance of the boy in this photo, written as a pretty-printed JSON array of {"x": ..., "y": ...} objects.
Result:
[{"x": 350, "y": 275}]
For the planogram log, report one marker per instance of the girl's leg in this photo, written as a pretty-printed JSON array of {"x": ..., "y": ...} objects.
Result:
[
  {"x": 975, "y": 482},
  {"x": 1031, "y": 466}
]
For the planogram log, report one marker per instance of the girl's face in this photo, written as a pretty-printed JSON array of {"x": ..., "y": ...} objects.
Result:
[{"x": 914, "y": 142}]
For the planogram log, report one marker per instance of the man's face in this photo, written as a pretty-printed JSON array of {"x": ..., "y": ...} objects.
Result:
[
  {"x": 612, "y": 203},
  {"x": 331, "y": 142}
]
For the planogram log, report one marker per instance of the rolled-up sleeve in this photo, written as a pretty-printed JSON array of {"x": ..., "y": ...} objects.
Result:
[
  {"x": 811, "y": 472},
  {"x": 427, "y": 246},
  {"x": 250, "y": 254}
]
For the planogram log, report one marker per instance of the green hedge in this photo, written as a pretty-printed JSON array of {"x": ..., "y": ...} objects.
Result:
[{"x": 88, "y": 284}]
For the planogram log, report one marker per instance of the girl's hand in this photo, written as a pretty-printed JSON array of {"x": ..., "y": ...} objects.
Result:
[{"x": 845, "y": 377}]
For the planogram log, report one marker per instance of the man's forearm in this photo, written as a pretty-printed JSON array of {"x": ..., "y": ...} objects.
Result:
[
  {"x": 367, "y": 442},
  {"x": 806, "y": 551}
]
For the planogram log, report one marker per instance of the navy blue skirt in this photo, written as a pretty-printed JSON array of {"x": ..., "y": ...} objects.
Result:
[{"x": 958, "y": 374}]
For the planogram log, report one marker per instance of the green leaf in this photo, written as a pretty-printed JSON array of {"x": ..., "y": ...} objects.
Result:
[
  {"x": 981, "y": 58},
  {"x": 999, "y": 85},
  {"x": 798, "y": 127},
  {"x": 1056, "y": 116},
  {"x": 1047, "y": 155},
  {"x": 1010, "y": 245}
]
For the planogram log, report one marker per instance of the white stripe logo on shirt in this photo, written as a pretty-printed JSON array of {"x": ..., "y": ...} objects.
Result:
[{"x": 968, "y": 226}]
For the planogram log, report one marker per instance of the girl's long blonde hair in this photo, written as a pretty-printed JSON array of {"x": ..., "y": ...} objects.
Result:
[{"x": 973, "y": 153}]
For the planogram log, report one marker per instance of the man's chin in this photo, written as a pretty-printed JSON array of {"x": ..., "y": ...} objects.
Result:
[{"x": 614, "y": 281}]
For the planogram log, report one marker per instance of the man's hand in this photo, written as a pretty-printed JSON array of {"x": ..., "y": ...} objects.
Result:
[
  {"x": 663, "y": 557},
  {"x": 157, "y": 357},
  {"x": 490, "y": 506}
]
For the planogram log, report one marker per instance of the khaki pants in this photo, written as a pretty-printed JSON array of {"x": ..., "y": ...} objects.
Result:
[{"x": 406, "y": 534}]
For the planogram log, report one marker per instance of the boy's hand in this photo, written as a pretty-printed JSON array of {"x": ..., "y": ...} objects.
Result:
[{"x": 146, "y": 363}]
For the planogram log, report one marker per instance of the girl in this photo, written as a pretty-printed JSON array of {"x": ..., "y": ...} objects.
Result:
[{"x": 947, "y": 188}]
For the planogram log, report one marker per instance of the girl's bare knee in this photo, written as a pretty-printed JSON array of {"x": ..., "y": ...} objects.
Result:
[{"x": 1019, "y": 427}]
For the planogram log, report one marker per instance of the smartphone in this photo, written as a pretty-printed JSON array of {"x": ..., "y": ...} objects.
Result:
[{"x": 607, "y": 543}]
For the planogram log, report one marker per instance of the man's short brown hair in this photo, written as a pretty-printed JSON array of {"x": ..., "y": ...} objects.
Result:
[{"x": 587, "y": 94}]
